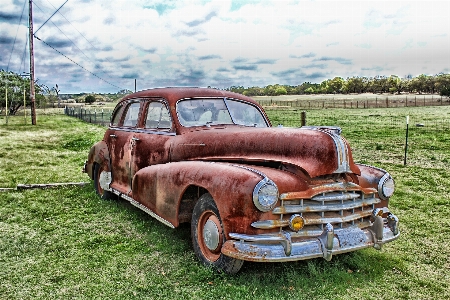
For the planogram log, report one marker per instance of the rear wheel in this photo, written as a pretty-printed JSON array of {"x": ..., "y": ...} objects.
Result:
[
  {"x": 208, "y": 237},
  {"x": 98, "y": 169}
]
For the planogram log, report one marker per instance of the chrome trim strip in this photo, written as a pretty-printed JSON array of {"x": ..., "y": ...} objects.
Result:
[
  {"x": 335, "y": 197},
  {"x": 270, "y": 224},
  {"x": 341, "y": 146},
  {"x": 145, "y": 209},
  {"x": 292, "y": 209},
  {"x": 329, "y": 187},
  {"x": 251, "y": 170}
]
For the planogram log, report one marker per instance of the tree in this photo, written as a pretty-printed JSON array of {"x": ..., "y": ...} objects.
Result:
[
  {"x": 56, "y": 89},
  {"x": 395, "y": 84},
  {"x": 50, "y": 96},
  {"x": 309, "y": 90},
  {"x": 280, "y": 90},
  {"x": 89, "y": 99},
  {"x": 15, "y": 85},
  {"x": 443, "y": 84},
  {"x": 336, "y": 85}
]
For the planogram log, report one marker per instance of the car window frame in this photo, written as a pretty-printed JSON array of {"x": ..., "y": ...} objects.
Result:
[
  {"x": 145, "y": 113},
  {"x": 225, "y": 102},
  {"x": 117, "y": 110},
  {"x": 125, "y": 112}
]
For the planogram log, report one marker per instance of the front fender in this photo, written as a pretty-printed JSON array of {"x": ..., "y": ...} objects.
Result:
[
  {"x": 161, "y": 187},
  {"x": 370, "y": 177}
]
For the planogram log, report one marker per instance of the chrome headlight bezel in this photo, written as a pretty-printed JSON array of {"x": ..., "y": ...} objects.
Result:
[
  {"x": 386, "y": 187},
  {"x": 265, "y": 195}
]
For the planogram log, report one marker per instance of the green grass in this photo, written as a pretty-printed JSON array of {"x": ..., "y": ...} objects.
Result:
[
  {"x": 52, "y": 151},
  {"x": 67, "y": 243}
]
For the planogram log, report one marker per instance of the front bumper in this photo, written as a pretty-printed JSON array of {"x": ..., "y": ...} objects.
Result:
[{"x": 282, "y": 247}]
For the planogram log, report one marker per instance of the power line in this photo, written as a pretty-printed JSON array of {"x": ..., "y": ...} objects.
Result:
[
  {"x": 74, "y": 27},
  {"x": 15, "y": 38},
  {"x": 78, "y": 63},
  {"x": 50, "y": 16},
  {"x": 73, "y": 43},
  {"x": 62, "y": 33}
]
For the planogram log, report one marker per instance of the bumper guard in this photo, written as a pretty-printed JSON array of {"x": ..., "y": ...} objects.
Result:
[{"x": 281, "y": 247}]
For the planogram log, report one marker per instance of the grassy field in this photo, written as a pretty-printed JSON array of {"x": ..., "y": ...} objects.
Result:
[{"x": 67, "y": 243}]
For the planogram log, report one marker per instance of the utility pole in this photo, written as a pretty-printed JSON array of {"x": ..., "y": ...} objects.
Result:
[{"x": 32, "y": 91}]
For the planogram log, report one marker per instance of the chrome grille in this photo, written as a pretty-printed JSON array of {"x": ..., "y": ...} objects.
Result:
[{"x": 341, "y": 208}]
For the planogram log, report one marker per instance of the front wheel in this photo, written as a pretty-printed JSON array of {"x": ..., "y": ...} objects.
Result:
[
  {"x": 98, "y": 169},
  {"x": 208, "y": 237}
]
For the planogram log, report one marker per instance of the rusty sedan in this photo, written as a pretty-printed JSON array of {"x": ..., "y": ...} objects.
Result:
[{"x": 251, "y": 192}]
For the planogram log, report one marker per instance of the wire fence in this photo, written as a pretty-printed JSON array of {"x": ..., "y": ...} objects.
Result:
[
  {"x": 94, "y": 116},
  {"x": 386, "y": 125},
  {"x": 356, "y": 102}
]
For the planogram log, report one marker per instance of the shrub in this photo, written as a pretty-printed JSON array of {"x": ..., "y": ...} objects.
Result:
[{"x": 89, "y": 99}]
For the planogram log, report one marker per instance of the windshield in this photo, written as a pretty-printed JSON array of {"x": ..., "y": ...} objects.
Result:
[{"x": 199, "y": 112}]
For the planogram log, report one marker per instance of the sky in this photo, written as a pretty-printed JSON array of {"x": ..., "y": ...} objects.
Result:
[{"x": 103, "y": 46}]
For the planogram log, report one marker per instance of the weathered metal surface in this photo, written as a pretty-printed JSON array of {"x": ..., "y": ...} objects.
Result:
[{"x": 163, "y": 168}]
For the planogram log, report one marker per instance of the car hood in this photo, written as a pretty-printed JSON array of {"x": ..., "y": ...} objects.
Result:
[{"x": 317, "y": 150}]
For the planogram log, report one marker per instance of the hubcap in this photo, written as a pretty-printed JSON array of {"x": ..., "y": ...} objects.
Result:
[{"x": 211, "y": 235}]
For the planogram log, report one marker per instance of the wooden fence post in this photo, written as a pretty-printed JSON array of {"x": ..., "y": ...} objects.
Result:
[{"x": 303, "y": 118}]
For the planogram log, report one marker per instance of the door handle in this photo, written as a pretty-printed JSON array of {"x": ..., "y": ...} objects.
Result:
[
  {"x": 113, "y": 136},
  {"x": 135, "y": 139}
]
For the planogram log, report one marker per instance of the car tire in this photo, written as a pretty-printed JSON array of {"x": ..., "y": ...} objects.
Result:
[
  {"x": 98, "y": 169},
  {"x": 208, "y": 237}
]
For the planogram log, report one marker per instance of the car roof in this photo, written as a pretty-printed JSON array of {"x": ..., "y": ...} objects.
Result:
[{"x": 173, "y": 94}]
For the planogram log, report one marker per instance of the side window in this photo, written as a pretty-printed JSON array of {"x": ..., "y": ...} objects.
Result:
[
  {"x": 131, "y": 117},
  {"x": 158, "y": 116},
  {"x": 117, "y": 114}
]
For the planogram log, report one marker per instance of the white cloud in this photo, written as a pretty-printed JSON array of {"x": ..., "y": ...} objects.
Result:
[{"x": 223, "y": 43}]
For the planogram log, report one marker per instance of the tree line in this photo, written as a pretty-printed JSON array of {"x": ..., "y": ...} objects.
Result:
[
  {"x": 14, "y": 85},
  {"x": 422, "y": 84}
]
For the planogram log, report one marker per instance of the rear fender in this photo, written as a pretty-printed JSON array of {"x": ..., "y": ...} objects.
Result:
[{"x": 99, "y": 154}]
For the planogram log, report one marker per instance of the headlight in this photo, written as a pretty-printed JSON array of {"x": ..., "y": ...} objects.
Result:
[
  {"x": 265, "y": 195},
  {"x": 386, "y": 186}
]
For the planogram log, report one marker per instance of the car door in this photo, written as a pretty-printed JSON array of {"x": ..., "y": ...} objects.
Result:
[
  {"x": 153, "y": 139},
  {"x": 122, "y": 140}
]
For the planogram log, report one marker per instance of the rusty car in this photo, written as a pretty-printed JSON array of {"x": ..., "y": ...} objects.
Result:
[{"x": 251, "y": 192}]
